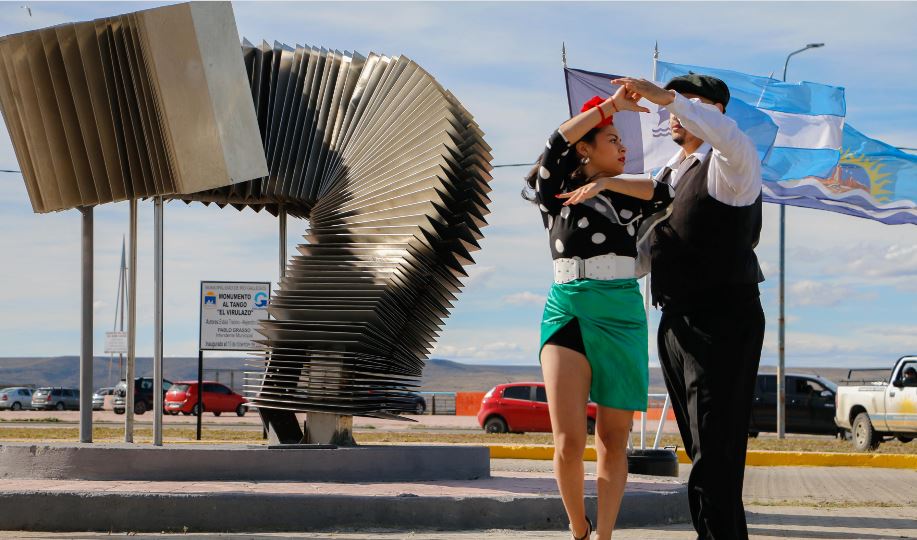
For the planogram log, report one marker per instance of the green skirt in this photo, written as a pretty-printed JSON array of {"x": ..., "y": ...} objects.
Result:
[{"x": 613, "y": 325}]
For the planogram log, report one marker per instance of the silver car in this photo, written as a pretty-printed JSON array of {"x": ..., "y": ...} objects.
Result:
[
  {"x": 56, "y": 398},
  {"x": 16, "y": 398},
  {"x": 98, "y": 398}
]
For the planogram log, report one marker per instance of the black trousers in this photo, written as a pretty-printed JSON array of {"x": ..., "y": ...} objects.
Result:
[{"x": 710, "y": 361}]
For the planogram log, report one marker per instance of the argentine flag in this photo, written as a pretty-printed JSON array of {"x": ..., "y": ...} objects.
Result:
[{"x": 796, "y": 127}]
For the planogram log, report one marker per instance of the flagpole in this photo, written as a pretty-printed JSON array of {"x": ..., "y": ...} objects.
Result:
[{"x": 646, "y": 280}]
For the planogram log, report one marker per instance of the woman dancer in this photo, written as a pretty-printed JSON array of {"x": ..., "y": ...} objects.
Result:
[{"x": 593, "y": 332}]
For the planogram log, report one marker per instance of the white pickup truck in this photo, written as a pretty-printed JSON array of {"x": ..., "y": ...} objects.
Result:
[{"x": 875, "y": 408}]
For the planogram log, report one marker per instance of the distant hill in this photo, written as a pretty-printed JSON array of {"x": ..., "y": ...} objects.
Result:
[
  {"x": 65, "y": 370},
  {"x": 439, "y": 374}
]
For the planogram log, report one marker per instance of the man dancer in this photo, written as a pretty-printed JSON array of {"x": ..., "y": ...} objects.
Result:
[{"x": 705, "y": 278}]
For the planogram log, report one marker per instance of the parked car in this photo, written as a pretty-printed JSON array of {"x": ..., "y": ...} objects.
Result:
[
  {"x": 143, "y": 395},
  {"x": 521, "y": 407},
  {"x": 420, "y": 404},
  {"x": 809, "y": 405},
  {"x": 218, "y": 398},
  {"x": 98, "y": 398},
  {"x": 879, "y": 406},
  {"x": 16, "y": 398},
  {"x": 56, "y": 398}
]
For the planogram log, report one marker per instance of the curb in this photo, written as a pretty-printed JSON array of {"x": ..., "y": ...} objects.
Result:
[
  {"x": 754, "y": 458},
  {"x": 235, "y": 512}
]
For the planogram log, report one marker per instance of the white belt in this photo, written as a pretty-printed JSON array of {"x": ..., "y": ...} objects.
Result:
[{"x": 608, "y": 266}]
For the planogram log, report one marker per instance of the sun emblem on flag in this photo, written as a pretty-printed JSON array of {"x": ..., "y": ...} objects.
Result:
[{"x": 856, "y": 171}]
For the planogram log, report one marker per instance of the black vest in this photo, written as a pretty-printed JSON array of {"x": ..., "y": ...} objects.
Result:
[{"x": 703, "y": 256}]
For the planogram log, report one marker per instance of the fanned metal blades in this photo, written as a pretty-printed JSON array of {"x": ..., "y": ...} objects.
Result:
[
  {"x": 148, "y": 103},
  {"x": 392, "y": 173}
]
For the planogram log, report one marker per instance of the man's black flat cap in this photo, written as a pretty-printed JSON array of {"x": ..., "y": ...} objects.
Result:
[{"x": 701, "y": 85}]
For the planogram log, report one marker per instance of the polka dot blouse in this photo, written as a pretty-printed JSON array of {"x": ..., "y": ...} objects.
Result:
[{"x": 606, "y": 223}]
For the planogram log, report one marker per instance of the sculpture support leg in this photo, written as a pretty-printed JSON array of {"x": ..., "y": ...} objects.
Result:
[
  {"x": 282, "y": 426},
  {"x": 328, "y": 428}
]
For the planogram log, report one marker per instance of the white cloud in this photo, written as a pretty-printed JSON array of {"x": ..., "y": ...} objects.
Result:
[
  {"x": 816, "y": 293},
  {"x": 524, "y": 298}
]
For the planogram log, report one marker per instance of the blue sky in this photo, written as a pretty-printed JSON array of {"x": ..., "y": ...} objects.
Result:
[{"x": 852, "y": 284}]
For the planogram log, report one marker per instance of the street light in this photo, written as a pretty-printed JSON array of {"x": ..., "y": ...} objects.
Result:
[
  {"x": 781, "y": 345},
  {"x": 806, "y": 48}
]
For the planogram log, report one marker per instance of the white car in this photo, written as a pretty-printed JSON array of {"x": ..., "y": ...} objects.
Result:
[{"x": 881, "y": 406}]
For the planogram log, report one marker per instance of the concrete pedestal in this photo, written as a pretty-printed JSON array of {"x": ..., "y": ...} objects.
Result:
[{"x": 243, "y": 463}]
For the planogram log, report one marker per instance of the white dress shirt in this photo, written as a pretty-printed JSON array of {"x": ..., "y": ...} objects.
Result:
[{"x": 734, "y": 177}]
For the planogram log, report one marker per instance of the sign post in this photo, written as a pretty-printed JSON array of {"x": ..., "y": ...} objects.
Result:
[{"x": 230, "y": 315}]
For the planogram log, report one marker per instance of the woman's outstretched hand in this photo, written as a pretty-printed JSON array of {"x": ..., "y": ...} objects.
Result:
[
  {"x": 644, "y": 88},
  {"x": 583, "y": 193},
  {"x": 624, "y": 100}
]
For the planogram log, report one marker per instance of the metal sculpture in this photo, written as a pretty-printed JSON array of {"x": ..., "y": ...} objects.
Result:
[
  {"x": 387, "y": 166},
  {"x": 392, "y": 174}
]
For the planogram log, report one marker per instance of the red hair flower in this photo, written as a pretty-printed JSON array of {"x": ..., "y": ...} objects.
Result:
[{"x": 596, "y": 101}]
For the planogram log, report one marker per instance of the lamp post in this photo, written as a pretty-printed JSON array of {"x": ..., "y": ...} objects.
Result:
[{"x": 781, "y": 332}]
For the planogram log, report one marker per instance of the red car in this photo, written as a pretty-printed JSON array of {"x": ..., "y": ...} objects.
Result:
[
  {"x": 218, "y": 398},
  {"x": 520, "y": 407}
]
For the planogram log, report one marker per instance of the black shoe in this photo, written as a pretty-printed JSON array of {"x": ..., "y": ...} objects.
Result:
[{"x": 588, "y": 531}]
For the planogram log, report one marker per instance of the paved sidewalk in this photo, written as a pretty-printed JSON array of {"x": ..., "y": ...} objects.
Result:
[
  {"x": 765, "y": 523},
  {"x": 501, "y": 484},
  {"x": 856, "y": 486}
]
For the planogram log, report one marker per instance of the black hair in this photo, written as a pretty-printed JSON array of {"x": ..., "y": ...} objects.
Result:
[{"x": 576, "y": 177}]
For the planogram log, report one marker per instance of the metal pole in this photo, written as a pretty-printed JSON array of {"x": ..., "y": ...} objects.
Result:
[
  {"x": 282, "y": 218},
  {"x": 200, "y": 390},
  {"x": 131, "y": 328},
  {"x": 781, "y": 319},
  {"x": 157, "y": 320},
  {"x": 122, "y": 284},
  {"x": 86, "y": 330},
  {"x": 662, "y": 418}
]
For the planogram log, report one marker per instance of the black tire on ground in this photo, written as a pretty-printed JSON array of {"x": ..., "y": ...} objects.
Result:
[
  {"x": 419, "y": 408},
  {"x": 217, "y": 413},
  {"x": 241, "y": 409},
  {"x": 905, "y": 439},
  {"x": 590, "y": 426},
  {"x": 139, "y": 407},
  {"x": 17, "y": 406},
  {"x": 60, "y": 406},
  {"x": 865, "y": 438},
  {"x": 495, "y": 424},
  {"x": 196, "y": 409},
  {"x": 752, "y": 434},
  {"x": 118, "y": 411}
]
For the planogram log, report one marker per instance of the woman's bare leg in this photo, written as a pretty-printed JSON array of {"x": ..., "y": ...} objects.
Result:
[
  {"x": 567, "y": 378},
  {"x": 612, "y": 429}
]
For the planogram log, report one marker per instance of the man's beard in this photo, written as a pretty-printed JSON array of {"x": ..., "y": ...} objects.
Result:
[{"x": 678, "y": 139}]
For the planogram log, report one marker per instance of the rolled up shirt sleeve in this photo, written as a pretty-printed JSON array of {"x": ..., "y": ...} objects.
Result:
[{"x": 738, "y": 167}]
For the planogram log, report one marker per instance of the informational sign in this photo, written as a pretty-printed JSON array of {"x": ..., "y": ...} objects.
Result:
[
  {"x": 115, "y": 342},
  {"x": 230, "y": 312}
]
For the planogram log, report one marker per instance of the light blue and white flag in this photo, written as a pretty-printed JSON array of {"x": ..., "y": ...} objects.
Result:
[
  {"x": 873, "y": 180},
  {"x": 797, "y": 128},
  {"x": 809, "y": 118}
]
